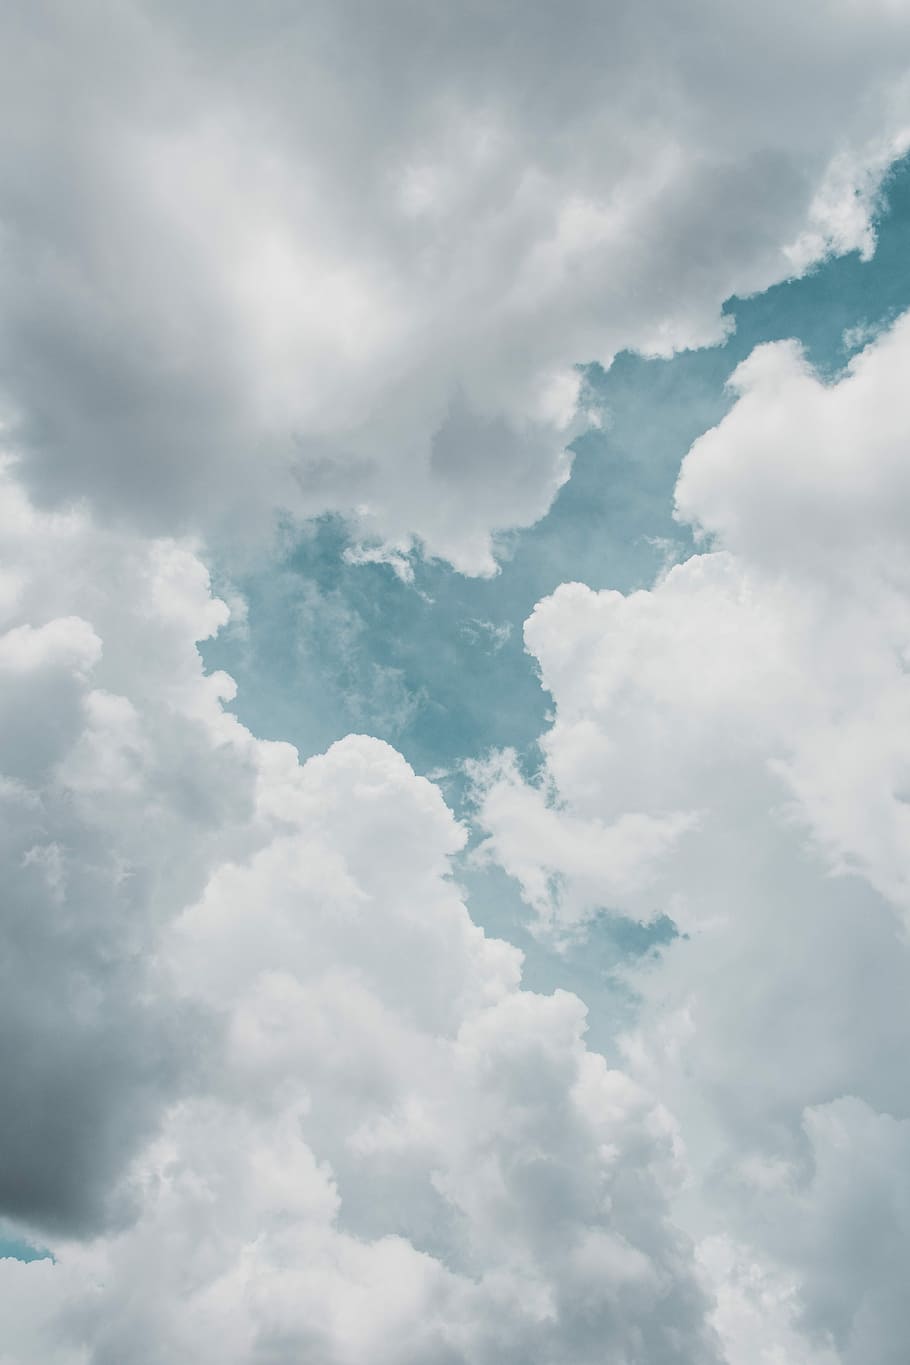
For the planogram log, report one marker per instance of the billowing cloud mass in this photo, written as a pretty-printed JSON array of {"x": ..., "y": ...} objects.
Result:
[
  {"x": 269, "y": 1094},
  {"x": 730, "y": 748},
  {"x": 277, "y": 260},
  {"x": 269, "y": 1091}
]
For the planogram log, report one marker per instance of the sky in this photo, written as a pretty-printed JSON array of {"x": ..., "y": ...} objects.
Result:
[
  {"x": 435, "y": 664},
  {"x": 454, "y": 683}
]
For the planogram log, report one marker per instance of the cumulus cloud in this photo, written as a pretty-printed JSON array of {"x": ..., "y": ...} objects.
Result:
[
  {"x": 121, "y": 778},
  {"x": 268, "y": 1091},
  {"x": 342, "y": 257},
  {"x": 754, "y": 703},
  {"x": 780, "y": 652}
]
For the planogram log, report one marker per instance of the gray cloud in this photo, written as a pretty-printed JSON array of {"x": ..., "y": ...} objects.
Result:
[
  {"x": 115, "y": 799},
  {"x": 345, "y": 257}
]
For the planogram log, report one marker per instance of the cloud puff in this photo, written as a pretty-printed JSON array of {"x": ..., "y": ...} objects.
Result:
[
  {"x": 750, "y": 713},
  {"x": 345, "y": 258},
  {"x": 781, "y": 652},
  {"x": 268, "y": 1091}
]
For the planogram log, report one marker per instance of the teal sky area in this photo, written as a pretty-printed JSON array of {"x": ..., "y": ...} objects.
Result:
[
  {"x": 438, "y": 667},
  {"x": 20, "y": 1250}
]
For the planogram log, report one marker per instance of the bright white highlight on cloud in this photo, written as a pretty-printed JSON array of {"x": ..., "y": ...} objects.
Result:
[
  {"x": 751, "y": 712},
  {"x": 283, "y": 259}
]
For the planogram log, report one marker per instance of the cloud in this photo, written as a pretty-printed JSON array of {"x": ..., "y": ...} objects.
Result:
[
  {"x": 347, "y": 259},
  {"x": 117, "y": 790},
  {"x": 569, "y": 866},
  {"x": 269, "y": 1092},
  {"x": 755, "y": 702},
  {"x": 779, "y": 652}
]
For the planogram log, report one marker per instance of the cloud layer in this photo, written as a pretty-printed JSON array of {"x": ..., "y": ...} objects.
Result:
[
  {"x": 346, "y": 257},
  {"x": 268, "y": 1091}
]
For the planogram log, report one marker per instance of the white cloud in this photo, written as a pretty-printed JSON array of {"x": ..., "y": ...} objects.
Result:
[
  {"x": 569, "y": 865},
  {"x": 760, "y": 692},
  {"x": 781, "y": 653},
  {"x": 345, "y": 258},
  {"x": 268, "y": 1091}
]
